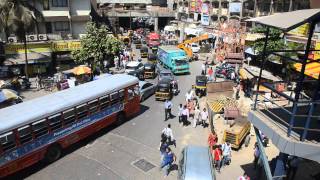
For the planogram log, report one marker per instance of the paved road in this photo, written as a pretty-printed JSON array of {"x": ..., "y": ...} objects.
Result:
[{"x": 110, "y": 154}]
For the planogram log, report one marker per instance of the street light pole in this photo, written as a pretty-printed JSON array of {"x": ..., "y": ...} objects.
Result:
[{"x": 130, "y": 18}]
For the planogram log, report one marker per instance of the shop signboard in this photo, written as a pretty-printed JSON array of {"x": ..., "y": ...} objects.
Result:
[
  {"x": 316, "y": 54},
  {"x": 199, "y": 6},
  {"x": 192, "y": 5},
  {"x": 205, "y": 19},
  {"x": 235, "y": 7},
  {"x": 301, "y": 30},
  {"x": 65, "y": 45},
  {"x": 205, "y": 8}
]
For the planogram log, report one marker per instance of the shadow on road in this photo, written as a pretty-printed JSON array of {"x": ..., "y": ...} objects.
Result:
[{"x": 88, "y": 140}]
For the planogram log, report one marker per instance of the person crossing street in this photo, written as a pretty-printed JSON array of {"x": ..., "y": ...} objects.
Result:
[{"x": 167, "y": 109}]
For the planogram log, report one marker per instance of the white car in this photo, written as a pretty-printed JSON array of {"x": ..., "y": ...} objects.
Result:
[
  {"x": 134, "y": 66},
  {"x": 195, "y": 48}
]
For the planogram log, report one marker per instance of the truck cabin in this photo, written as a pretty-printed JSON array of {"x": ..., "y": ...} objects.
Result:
[
  {"x": 201, "y": 80},
  {"x": 149, "y": 67},
  {"x": 180, "y": 61},
  {"x": 164, "y": 86}
]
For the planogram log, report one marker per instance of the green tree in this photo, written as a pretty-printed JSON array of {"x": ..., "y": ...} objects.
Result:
[
  {"x": 96, "y": 46},
  {"x": 275, "y": 41},
  {"x": 19, "y": 17}
]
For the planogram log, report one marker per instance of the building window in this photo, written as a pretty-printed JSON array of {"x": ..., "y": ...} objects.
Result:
[
  {"x": 61, "y": 26},
  {"x": 60, "y": 3},
  {"x": 45, "y": 4}
]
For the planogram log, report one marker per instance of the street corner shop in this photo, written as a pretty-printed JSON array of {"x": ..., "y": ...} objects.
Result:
[{"x": 43, "y": 57}]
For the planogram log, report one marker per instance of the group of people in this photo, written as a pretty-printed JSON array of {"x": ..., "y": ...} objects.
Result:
[
  {"x": 210, "y": 72},
  {"x": 124, "y": 57},
  {"x": 222, "y": 155}
]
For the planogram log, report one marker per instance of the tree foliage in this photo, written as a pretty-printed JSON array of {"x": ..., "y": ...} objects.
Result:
[
  {"x": 275, "y": 41},
  {"x": 96, "y": 45},
  {"x": 18, "y": 17}
]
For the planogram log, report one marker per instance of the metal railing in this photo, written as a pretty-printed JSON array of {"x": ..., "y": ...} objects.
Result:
[{"x": 269, "y": 106}]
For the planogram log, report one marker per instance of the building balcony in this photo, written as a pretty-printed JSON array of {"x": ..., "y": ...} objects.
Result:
[
  {"x": 56, "y": 15},
  {"x": 292, "y": 132}
]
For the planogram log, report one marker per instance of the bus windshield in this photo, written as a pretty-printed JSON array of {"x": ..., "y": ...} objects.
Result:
[{"x": 180, "y": 62}]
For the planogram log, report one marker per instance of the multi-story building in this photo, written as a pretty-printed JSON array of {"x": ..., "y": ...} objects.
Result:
[
  {"x": 238, "y": 9},
  {"x": 53, "y": 39},
  {"x": 123, "y": 13}
]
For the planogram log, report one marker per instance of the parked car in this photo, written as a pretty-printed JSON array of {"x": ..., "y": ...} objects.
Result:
[
  {"x": 165, "y": 74},
  {"x": 195, "y": 48},
  {"x": 133, "y": 66},
  {"x": 196, "y": 162},
  {"x": 147, "y": 89}
]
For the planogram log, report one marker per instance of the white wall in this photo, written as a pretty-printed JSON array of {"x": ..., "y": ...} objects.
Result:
[
  {"x": 79, "y": 5},
  {"x": 78, "y": 28}
]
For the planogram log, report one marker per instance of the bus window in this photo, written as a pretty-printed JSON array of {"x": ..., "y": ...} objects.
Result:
[
  {"x": 121, "y": 95},
  {"x": 130, "y": 93},
  {"x": 25, "y": 134},
  {"x": 55, "y": 122},
  {"x": 82, "y": 111},
  {"x": 114, "y": 98},
  {"x": 69, "y": 116},
  {"x": 40, "y": 128},
  {"x": 93, "y": 106},
  {"x": 7, "y": 141},
  {"x": 104, "y": 102}
]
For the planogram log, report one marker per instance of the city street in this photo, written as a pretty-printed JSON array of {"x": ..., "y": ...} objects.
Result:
[{"x": 110, "y": 154}]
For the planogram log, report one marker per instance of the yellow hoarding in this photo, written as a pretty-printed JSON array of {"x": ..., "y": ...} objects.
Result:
[
  {"x": 31, "y": 48},
  {"x": 301, "y": 30},
  {"x": 65, "y": 45}
]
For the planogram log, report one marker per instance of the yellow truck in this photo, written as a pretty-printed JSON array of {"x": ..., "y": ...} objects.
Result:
[{"x": 222, "y": 109}]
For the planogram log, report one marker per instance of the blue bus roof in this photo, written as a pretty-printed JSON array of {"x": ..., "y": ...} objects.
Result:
[
  {"x": 170, "y": 49},
  {"x": 25, "y": 113},
  {"x": 198, "y": 165}
]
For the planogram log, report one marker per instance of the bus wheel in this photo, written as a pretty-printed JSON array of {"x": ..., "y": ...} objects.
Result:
[
  {"x": 120, "y": 118},
  {"x": 53, "y": 153}
]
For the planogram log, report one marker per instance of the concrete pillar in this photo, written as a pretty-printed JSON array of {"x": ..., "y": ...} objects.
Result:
[
  {"x": 181, "y": 29},
  {"x": 156, "y": 24}
]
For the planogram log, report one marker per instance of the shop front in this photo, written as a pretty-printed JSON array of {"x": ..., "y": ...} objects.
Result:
[
  {"x": 38, "y": 57},
  {"x": 61, "y": 55}
]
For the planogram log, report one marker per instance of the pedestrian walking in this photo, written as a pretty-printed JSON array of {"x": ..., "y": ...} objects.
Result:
[
  {"x": 203, "y": 69},
  {"x": 116, "y": 62},
  {"x": 163, "y": 146},
  {"x": 226, "y": 154},
  {"x": 167, "y": 109},
  {"x": 168, "y": 159},
  {"x": 185, "y": 115},
  {"x": 189, "y": 96},
  {"x": 180, "y": 109},
  {"x": 204, "y": 117},
  {"x": 196, "y": 116},
  {"x": 210, "y": 73},
  {"x": 217, "y": 157},
  {"x": 190, "y": 106},
  {"x": 238, "y": 91},
  {"x": 167, "y": 133},
  {"x": 212, "y": 139}
]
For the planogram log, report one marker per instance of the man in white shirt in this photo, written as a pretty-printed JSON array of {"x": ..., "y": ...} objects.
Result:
[
  {"x": 196, "y": 116},
  {"x": 204, "y": 117},
  {"x": 226, "y": 153},
  {"x": 185, "y": 115},
  {"x": 167, "y": 109},
  {"x": 189, "y": 96},
  {"x": 167, "y": 132}
]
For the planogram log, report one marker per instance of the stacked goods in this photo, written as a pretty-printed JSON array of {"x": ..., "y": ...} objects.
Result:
[{"x": 222, "y": 102}]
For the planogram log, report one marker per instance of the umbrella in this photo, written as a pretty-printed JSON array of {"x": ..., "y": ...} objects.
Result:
[
  {"x": 81, "y": 70},
  {"x": 7, "y": 94}
]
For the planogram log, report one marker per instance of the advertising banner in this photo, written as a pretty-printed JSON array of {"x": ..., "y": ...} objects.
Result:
[
  {"x": 235, "y": 7},
  {"x": 205, "y": 19},
  {"x": 205, "y": 8},
  {"x": 199, "y": 6},
  {"x": 192, "y": 6},
  {"x": 301, "y": 30}
]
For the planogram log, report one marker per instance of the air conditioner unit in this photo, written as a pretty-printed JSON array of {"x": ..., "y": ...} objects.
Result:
[
  {"x": 32, "y": 37},
  {"x": 12, "y": 39},
  {"x": 42, "y": 37}
]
